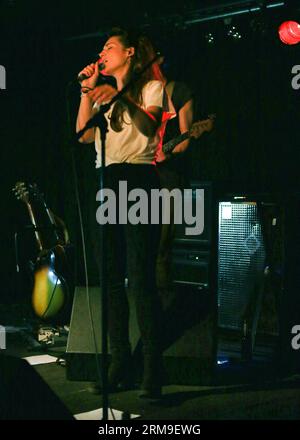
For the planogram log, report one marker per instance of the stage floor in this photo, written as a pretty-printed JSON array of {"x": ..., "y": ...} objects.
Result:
[{"x": 266, "y": 398}]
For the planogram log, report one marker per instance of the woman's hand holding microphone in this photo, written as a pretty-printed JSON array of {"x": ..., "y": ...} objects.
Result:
[
  {"x": 88, "y": 77},
  {"x": 102, "y": 94}
]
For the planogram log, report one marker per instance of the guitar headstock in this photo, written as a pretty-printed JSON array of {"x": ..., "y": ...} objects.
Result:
[
  {"x": 212, "y": 117},
  {"x": 21, "y": 191},
  {"x": 205, "y": 125},
  {"x": 25, "y": 192}
]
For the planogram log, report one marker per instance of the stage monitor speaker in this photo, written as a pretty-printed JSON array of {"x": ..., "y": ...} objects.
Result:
[
  {"x": 25, "y": 396},
  {"x": 186, "y": 338},
  {"x": 81, "y": 348}
]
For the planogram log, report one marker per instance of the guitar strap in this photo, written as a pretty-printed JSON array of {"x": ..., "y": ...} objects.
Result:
[
  {"x": 170, "y": 88},
  {"x": 169, "y": 112},
  {"x": 168, "y": 107}
]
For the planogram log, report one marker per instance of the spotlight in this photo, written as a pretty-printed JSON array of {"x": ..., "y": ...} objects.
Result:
[
  {"x": 289, "y": 32},
  {"x": 234, "y": 33},
  {"x": 210, "y": 38}
]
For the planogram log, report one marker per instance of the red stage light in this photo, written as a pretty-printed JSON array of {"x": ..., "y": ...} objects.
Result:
[{"x": 289, "y": 32}]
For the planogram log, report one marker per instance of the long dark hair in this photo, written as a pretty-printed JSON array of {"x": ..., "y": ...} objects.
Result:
[{"x": 143, "y": 54}]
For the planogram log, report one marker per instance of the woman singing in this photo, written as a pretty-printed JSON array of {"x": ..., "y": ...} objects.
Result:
[{"x": 131, "y": 142}]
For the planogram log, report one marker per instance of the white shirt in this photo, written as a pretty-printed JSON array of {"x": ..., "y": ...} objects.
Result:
[{"x": 130, "y": 145}]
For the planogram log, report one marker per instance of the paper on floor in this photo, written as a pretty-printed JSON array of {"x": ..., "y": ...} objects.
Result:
[
  {"x": 97, "y": 415},
  {"x": 40, "y": 359}
]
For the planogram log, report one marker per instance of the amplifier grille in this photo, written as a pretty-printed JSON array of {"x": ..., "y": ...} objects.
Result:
[{"x": 241, "y": 257}]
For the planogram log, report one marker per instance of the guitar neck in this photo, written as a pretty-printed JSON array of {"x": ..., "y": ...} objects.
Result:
[
  {"x": 34, "y": 224},
  {"x": 169, "y": 146},
  {"x": 42, "y": 219},
  {"x": 52, "y": 221}
]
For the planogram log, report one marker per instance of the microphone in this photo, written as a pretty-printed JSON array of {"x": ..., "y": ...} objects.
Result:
[{"x": 82, "y": 76}]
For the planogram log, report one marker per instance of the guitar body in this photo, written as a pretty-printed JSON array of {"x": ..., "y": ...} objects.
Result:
[{"x": 50, "y": 292}]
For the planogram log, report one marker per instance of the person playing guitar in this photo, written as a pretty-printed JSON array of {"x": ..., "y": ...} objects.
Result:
[{"x": 179, "y": 128}]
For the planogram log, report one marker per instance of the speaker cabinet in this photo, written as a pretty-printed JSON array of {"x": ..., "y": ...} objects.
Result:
[
  {"x": 247, "y": 259},
  {"x": 225, "y": 265},
  {"x": 241, "y": 260}
]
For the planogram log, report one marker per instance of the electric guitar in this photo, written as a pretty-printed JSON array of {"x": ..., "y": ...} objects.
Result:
[
  {"x": 51, "y": 290},
  {"x": 197, "y": 129}
]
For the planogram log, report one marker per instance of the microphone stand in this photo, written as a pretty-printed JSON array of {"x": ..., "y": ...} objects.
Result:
[{"x": 100, "y": 121}]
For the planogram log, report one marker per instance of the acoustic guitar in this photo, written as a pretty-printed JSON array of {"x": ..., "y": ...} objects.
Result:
[{"x": 51, "y": 290}]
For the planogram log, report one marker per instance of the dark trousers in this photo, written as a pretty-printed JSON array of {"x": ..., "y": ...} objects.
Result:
[
  {"x": 131, "y": 250},
  {"x": 169, "y": 179}
]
